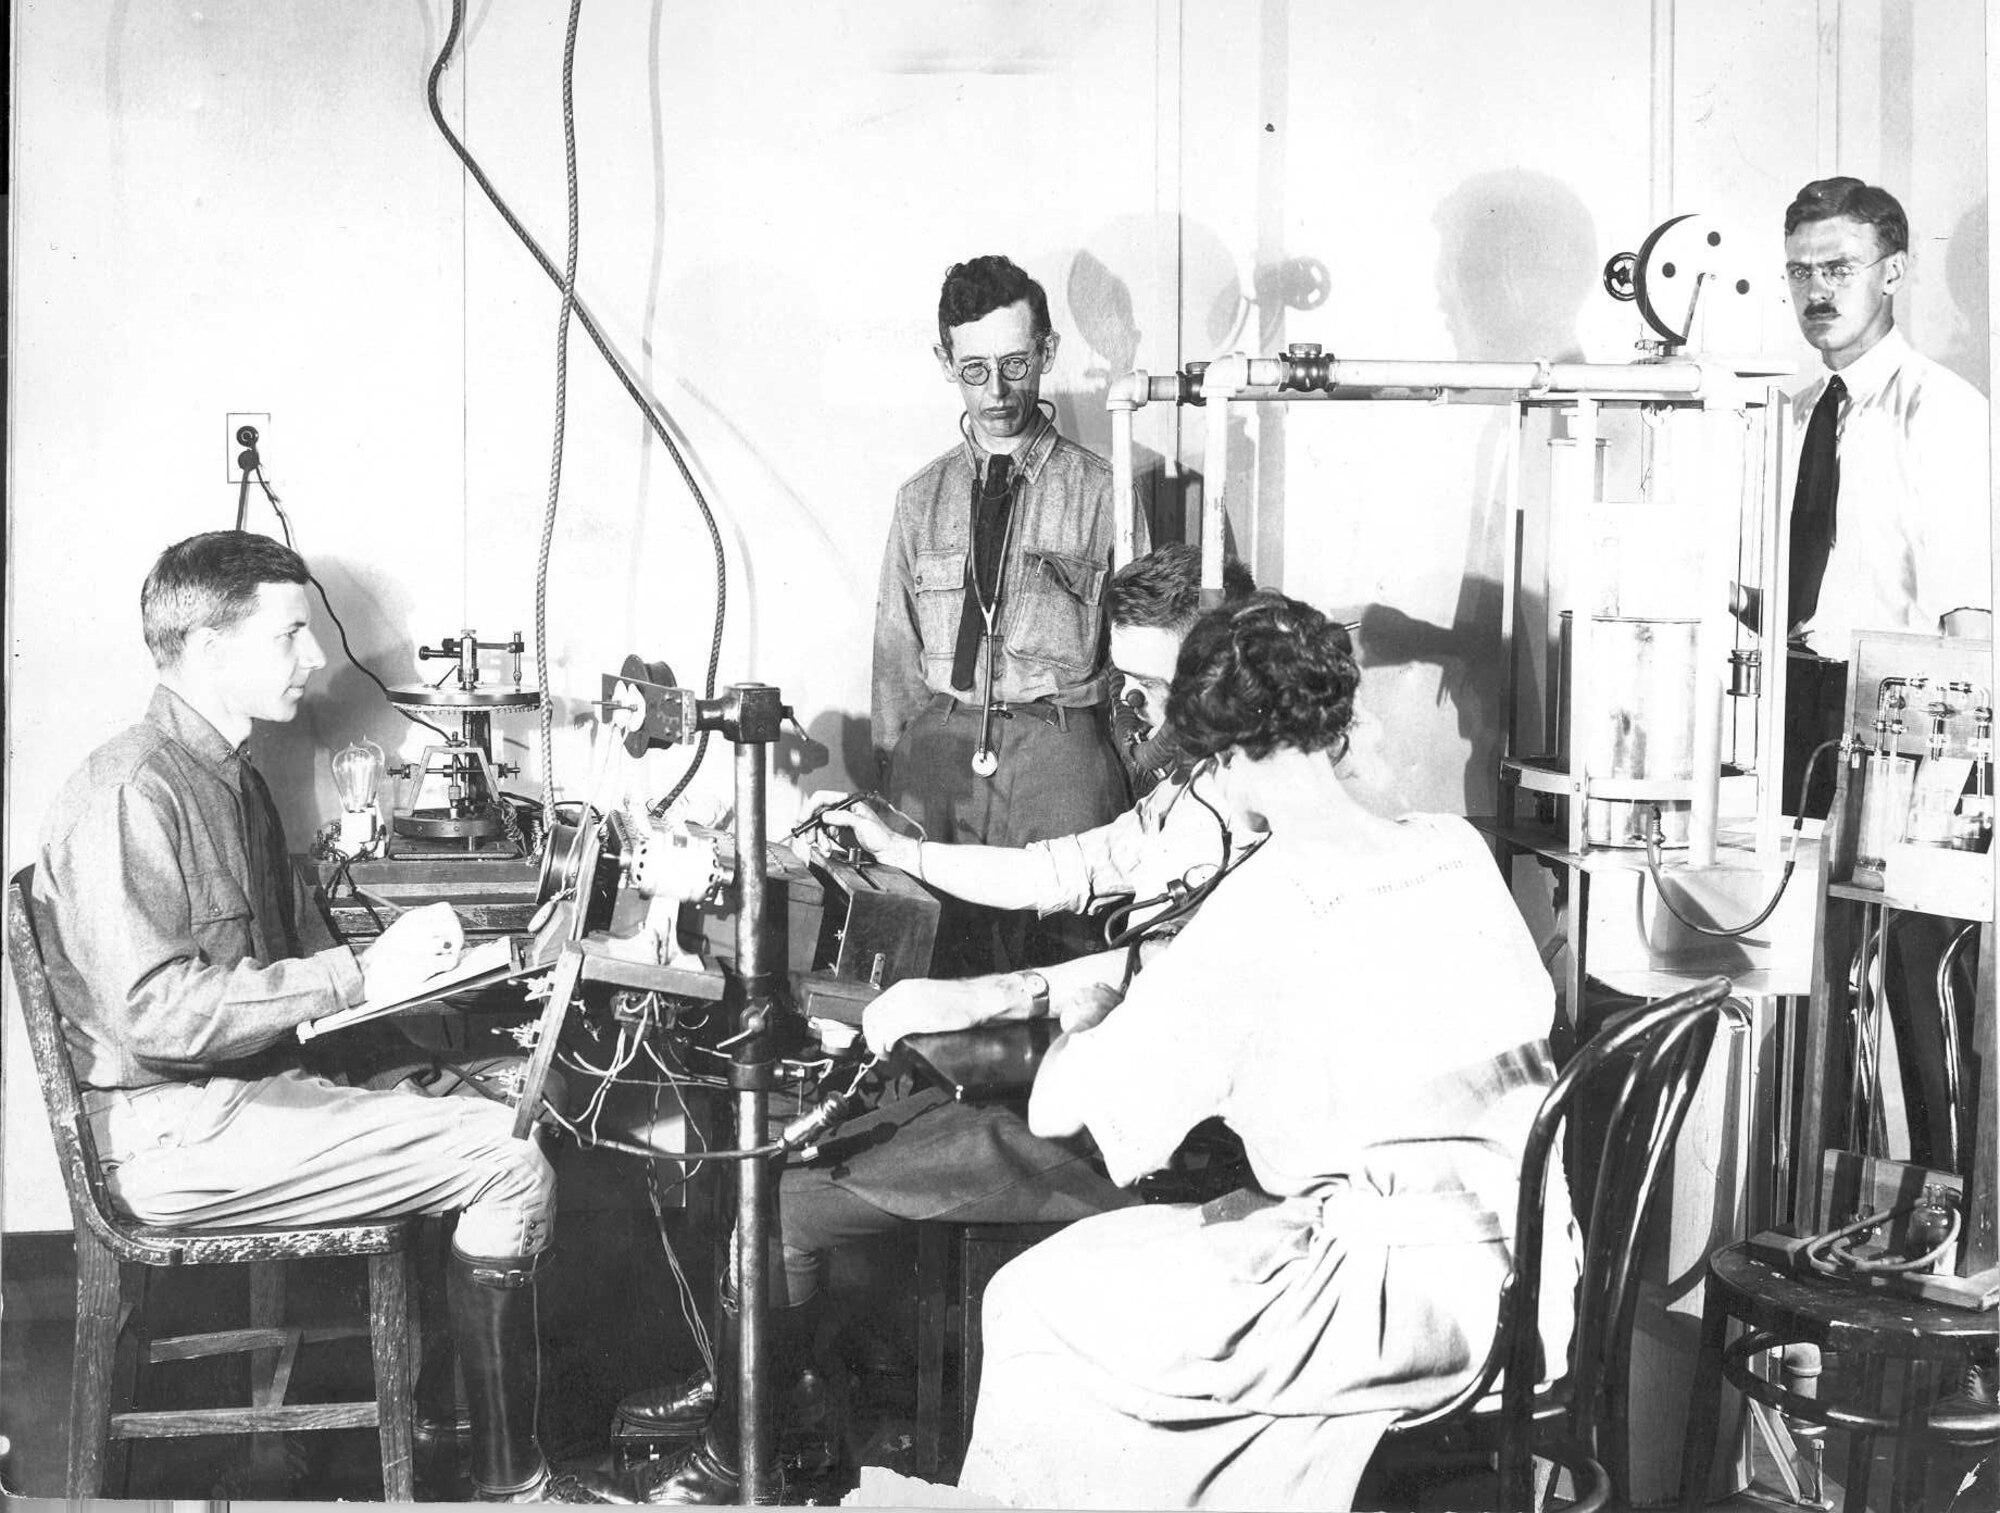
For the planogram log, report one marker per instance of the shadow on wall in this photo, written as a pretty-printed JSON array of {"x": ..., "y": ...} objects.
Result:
[
  {"x": 343, "y": 706},
  {"x": 1968, "y": 274},
  {"x": 1517, "y": 258},
  {"x": 1215, "y": 311}
]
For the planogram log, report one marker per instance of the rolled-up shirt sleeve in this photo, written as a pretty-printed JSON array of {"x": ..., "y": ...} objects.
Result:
[
  {"x": 1084, "y": 870},
  {"x": 164, "y": 961}
]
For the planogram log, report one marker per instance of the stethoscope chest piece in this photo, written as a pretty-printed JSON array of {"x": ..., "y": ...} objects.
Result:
[{"x": 985, "y": 762}]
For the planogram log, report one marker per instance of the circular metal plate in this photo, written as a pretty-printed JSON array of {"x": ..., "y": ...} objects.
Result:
[
  {"x": 433, "y": 826},
  {"x": 1672, "y": 265},
  {"x": 463, "y": 698}
]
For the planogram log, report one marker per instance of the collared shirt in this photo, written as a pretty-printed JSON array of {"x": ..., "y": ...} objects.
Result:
[
  {"x": 1912, "y": 517},
  {"x": 1168, "y": 837},
  {"x": 1052, "y": 632},
  {"x": 162, "y": 968}
]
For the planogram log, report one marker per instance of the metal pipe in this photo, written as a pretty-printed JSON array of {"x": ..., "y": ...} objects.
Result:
[
  {"x": 1774, "y": 582},
  {"x": 1219, "y": 385},
  {"x": 1573, "y": 494},
  {"x": 1125, "y": 507},
  {"x": 751, "y": 1069},
  {"x": 1271, "y": 378},
  {"x": 1534, "y": 377}
]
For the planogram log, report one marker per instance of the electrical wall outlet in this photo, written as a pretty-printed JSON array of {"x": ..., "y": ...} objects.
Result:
[{"x": 235, "y": 444}]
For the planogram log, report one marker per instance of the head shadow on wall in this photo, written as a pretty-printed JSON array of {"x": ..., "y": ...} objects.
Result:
[
  {"x": 1517, "y": 259},
  {"x": 1215, "y": 312},
  {"x": 1968, "y": 275}
]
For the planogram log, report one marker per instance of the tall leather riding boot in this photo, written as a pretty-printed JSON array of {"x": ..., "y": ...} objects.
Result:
[
  {"x": 707, "y": 1474},
  {"x": 493, "y": 1319}
]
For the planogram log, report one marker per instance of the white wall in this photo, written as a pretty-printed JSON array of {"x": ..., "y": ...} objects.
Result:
[{"x": 244, "y": 206}]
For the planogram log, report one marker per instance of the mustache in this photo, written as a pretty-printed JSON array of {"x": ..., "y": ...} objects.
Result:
[{"x": 1821, "y": 307}]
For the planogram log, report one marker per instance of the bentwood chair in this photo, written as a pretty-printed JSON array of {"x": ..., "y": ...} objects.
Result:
[
  {"x": 115, "y": 1256},
  {"x": 1636, "y": 1074}
]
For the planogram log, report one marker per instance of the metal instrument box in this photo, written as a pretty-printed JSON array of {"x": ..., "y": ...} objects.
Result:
[{"x": 880, "y": 924}]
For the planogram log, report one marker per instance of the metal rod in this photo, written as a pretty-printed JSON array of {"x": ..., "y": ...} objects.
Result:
[
  {"x": 1124, "y": 504},
  {"x": 1215, "y": 479},
  {"x": 1774, "y": 580},
  {"x": 752, "y": 1056}
]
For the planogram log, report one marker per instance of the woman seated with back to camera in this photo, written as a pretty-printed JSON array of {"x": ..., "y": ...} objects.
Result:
[{"x": 1361, "y": 1002}]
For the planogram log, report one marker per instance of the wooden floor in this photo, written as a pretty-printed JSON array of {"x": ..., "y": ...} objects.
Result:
[{"x": 591, "y": 1359}]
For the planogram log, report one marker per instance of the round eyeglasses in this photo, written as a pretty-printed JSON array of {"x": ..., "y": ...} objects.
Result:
[
  {"x": 1014, "y": 367},
  {"x": 1835, "y": 275}
]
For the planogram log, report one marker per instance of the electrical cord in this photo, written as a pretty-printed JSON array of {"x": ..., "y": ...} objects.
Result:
[
  {"x": 1657, "y": 837},
  {"x": 547, "y": 711},
  {"x": 1181, "y": 901},
  {"x": 256, "y": 470},
  {"x": 363, "y": 668},
  {"x": 588, "y": 322},
  {"x": 1831, "y": 1254}
]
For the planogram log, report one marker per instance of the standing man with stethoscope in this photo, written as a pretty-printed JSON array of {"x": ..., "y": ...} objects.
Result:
[{"x": 991, "y": 706}]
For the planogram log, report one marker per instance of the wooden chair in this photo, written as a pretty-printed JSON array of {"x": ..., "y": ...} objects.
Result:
[
  {"x": 955, "y": 1261},
  {"x": 1638, "y": 1072},
  {"x": 115, "y": 1255}
]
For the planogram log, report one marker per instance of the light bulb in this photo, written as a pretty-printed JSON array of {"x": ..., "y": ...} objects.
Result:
[{"x": 357, "y": 770}]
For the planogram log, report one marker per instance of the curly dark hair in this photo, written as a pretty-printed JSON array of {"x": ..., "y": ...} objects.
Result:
[
  {"x": 974, "y": 289},
  {"x": 1269, "y": 672},
  {"x": 1851, "y": 199},
  {"x": 1163, "y": 588}
]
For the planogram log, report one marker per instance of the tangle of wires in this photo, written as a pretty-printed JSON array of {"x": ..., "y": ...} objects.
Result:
[
  {"x": 565, "y": 280},
  {"x": 644, "y": 1023}
]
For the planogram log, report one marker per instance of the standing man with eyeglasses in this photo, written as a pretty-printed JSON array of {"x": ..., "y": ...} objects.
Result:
[
  {"x": 1890, "y": 504},
  {"x": 1890, "y": 531},
  {"x": 991, "y": 705}
]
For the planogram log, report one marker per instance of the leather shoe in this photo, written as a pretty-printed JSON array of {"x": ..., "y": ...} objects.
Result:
[
  {"x": 562, "y": 1487},
  {"x": 1971, "y": 1403},
  {"x": 681, "y": 1407},
  {"x": 696, "y": 1479}
]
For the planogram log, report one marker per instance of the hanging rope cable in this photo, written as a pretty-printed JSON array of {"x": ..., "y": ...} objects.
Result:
[
  {"x": 584, "y": 318},
  {"x": 547, "y": 708}
]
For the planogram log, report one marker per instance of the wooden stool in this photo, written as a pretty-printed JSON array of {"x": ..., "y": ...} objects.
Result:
[{"x": 1870, "y": 1326}]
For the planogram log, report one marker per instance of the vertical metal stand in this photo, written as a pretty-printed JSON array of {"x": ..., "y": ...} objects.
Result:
[{"x": 756, "y": 717}]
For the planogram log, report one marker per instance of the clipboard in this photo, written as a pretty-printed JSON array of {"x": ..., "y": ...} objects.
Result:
[{"x": 488, "y": 964}]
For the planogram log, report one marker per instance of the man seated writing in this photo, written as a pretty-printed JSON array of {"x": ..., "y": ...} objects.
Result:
[{"x": 184, "y": 954}]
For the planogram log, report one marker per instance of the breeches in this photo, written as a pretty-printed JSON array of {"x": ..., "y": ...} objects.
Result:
[
  {"x": 297, "y": 1149},
  {"x": 925, "y": 1157}
]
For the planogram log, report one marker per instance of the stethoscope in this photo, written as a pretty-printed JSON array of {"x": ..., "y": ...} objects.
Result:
[
  {"x": 1184, "y": 894},
  {"x": 985, "y": 760}
]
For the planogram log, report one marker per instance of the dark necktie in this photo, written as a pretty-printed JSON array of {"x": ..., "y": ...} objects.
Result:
[
  {"x": 270, "y": 868},
  {"x": 1814, "y": 502},
  {"x": 992, "y": 503}
]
